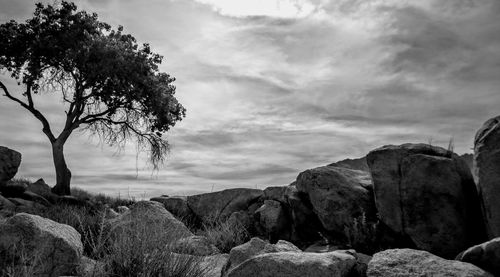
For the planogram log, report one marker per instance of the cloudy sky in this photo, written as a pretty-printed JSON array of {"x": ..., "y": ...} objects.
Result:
[{"x": 273, "y": 87}]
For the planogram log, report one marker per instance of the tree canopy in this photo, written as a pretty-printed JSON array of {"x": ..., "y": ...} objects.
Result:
[{"x": 112, "y": 86}]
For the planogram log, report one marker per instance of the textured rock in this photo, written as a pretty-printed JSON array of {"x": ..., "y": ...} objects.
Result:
[
  {"x": 487, "y": 173},
  {"x": 9, "y": 163},
  {"x": 416, "y": 263},
  {"x": 274, "y": 219},
  {"x": 31, "y": 196},
  {"x": 152, "y": 215},
  {"x": 296, "y": 264},
  {"x": 275, "y": 193},
  {"x": 337, "y": 195},
  {"x": 427, "y": 194},
  {"x": 6, "y": 203},
  {"x": 13, "y": 188},
  {"x": 122, "y": 209},
  {"x": 255, "y": 247},
  {"x": 177, "y": 205},
  {"x": 355, "y": 164},
  {"x": 485, "y": 256},
  {"x": 195, "y": 245},
  {"x": 41, "y": 188},
  {"x": 221, "y": 204},
  {"x": 56, "y": 247}
]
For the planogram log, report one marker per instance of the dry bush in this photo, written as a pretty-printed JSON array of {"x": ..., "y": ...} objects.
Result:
[
  {"x": 224, "y": 234},
  {"x": 362, "y": 235}
]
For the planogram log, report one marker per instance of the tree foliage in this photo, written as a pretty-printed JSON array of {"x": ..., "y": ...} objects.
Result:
[{"x": 111, "y": 85}]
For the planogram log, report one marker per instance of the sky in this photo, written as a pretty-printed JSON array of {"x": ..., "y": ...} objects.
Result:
[{"x": 274, "y": 87}]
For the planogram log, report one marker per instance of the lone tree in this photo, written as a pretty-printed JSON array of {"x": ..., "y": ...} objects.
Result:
[{"x": 110, "y": 85}]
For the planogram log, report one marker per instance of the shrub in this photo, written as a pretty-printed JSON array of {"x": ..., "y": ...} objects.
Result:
[
  {"x": 225, "y": 235},
  {"x": 362, "y": 235}
]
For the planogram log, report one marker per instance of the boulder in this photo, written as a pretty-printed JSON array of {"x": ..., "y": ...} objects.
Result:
[
  {"x": 13, "y": 188},
  {"x": 338, "y": 195},
  {"x": 242, "y": 219},
  {"x": 296, "y": 264},
  {"x": 31, "y": 196},
  {"x": 417, "y": 263},
  {"x": 274, "y": 220},
  {"x": 485, "y": 256},
  {"x": 355, "y": 164},
  {"x": 221, "y": 204},
  {"x": 152, "y": 216},
  {"x": 177, "y": 205},
  {"x": 306, "y": 227},
  {"x": 275, "y": 193},
  {"x": 26, "y": 205},
  {"x": 427, "y": 194},
  {"x": 6, "y": 203},
  {"x": 255, "y": 247},
  {"x": 214, "y": 264},
  {"x": 90, "y": 267},
  {"x": 487, "y": 173},
  {"x": 9, "y": 163},
  {"x": 122, "y": 209},
  {"x": 195, "y": 245},
  {"x": 56, "y": 248},
  {"x": 41, "y": 188}
]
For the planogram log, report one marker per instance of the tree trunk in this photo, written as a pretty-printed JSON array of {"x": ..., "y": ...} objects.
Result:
[{"x": 63, "y": 175}]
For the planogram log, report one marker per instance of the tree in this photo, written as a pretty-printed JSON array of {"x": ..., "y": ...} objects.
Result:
[{"x": 111, "y": 86}]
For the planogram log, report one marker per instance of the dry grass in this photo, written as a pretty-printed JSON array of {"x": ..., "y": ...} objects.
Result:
[{"x": 225, "y": 235}]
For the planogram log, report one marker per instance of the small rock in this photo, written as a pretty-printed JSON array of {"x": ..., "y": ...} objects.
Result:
[
  {"x": 485, "y": 256},
  {"x": 195, "y": 245}
]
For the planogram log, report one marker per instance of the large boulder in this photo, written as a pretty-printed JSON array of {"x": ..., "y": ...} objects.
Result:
[
  {"x": 275, "y": 193},
  {"x": 55, "y": 248},
  {"x": 220, "y": 205},
  {"x": 149, "y": 216},
  {"x": 9, "y": 163},
  {"x": 338, "y": 195},
  {"x": 274, "y": 220},
  {"x": 356, "y": 164},
  {"x": 255, "y": 247},
  {"x": 177, "y": 205},
  {"x": 487, "y": 173},
  {"x": 485, "y": 256},
  {"x": 43, "y": 189},
  {"x": 417, "y": 263},
  {"x": 297, "y": 264},
  {"x": 195, "y": 245},
  {"x": 427, "y": 194}
]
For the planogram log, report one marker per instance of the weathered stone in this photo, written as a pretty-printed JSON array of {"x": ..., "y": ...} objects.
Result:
[
  {"x": 355, "y": 164},
  {"x": 154, "y": 216},
  {"x": 221, "y": 204},
  {"x": 31, "y": 196},
  {"x": 177, "y": 205},
  {"x": 296, "y": 264},
  {"x": 255, "y": 247},
  {"x": 122, "y": 209},
  {"x": 90, "y": 267},
  {"x": 417, "y": 263},
  {"x": 485, "y": 256},
  {"x": 56, "y": 248},
  {"x": 6, "y": 203},
  {"x": 487, "y": 173},
  {"x": 427, "y": 194},
  {"x": 195, "y": 245},
  {"x": 41, "y": 188},
  {"x": 275, "y": 193},
  {"x": 338, "y": 195},
  {"x": 13, "y": 188},
  {"x": 274, "y": 219},
  {"x": 26, "y": 205},
  {"x": 9, "y": 163}
]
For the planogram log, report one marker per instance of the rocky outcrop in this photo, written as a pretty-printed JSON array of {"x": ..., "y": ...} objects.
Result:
[
  {"x": 255, "y": 247},
  {"x": 273, "y": 218},
  {"x": 9, "y": 163},
  {"x": 297, "y": 264},
  {"x": 195, "y": 245},
  {"x": 485, "y": 256},
  {"x": 416, "y": 263},
  {"x": 487, "y": 173},
  {"x": 55, "y": 248},
  {"x": 338, "y": 195},
  {"x": 221, "y": 204},
  {"x": 177, "y": 205},
  {"x": 149, "y": 215},
  {"x": 355, "y": 164},
  {"x": 427, "y": 194}
]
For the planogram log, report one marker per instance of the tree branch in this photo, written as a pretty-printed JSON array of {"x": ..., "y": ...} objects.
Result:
[{"x": 30, "y": 107}]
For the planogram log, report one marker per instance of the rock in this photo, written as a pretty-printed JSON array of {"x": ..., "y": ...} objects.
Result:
[
  {"x": 485, "y": 256},
  {"x": 338, "y": 195},
  {"x": 355, "y": 164},
  {"x": 41, "y": 188},
  {"x": 255, "y": 247},
  {"x": 307, "y": 227},
  {"x": 122, "y": 209},
  {"x": 57, "y": 247},
  {"x": 9, "y": 163},
  {"x": 6, "y": 203},
  {"x": 321, "y": 247},
  {"x": 24, "y": 204},
  {"x": 487, "y": 173},
  {"x": 221, "y": 204},
  {"x": 195, "y": 245},
  {"x": 177, "y": 205},
  {"x": 13, "y": 188},
  {"x": 274, "y": 219},
  {"x": 110, "y": 213},
  {"x": 296, "y": 264},
  {"x": 469, "y": 160},
  {"x": 31, "y": 196},
  {"x": 152, "y": 215},
  {"x": 241, "y": 218},
  {"x": 275, "y": 193},
  {"x": 210, "y": 266},
  {"x": 214, "y": 264},
  {"x": 427, "y": 194},
  {"x": 72, "y": 201},
  {"x": 90, "y": 267},
  {"x": 417, "y": 263}
]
